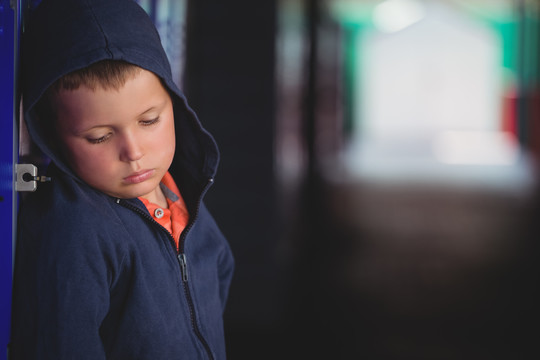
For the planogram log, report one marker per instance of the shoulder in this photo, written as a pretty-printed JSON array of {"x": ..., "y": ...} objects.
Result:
[
  {"x": 206, "y": 237},
  {"x": 67, "y": 216},
  {"x": 69, "y": 232},
  {"x": 206, "y": 223}
]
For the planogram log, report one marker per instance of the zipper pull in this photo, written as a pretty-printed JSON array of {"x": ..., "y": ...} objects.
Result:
[{"x": 183, "y": 266}]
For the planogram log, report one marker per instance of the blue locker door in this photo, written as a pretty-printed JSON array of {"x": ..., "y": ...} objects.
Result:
[{"x": 8, "y": 203}]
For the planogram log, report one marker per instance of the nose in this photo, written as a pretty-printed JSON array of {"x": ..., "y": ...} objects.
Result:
[{"x": 130, "y": 148}]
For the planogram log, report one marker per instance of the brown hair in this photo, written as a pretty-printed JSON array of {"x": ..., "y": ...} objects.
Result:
[{"x": 105, "y": 74}]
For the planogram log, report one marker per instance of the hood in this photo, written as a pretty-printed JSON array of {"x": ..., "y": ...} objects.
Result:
[{"x": 62, "y": 36}]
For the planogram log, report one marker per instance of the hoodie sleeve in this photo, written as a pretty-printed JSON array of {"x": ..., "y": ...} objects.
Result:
[
  {"x": 226, "y": 271},
  {"x": 60, "y": 317}
]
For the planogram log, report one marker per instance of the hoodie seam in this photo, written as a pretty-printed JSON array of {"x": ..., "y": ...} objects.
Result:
[{"x": 94, "y": 17}]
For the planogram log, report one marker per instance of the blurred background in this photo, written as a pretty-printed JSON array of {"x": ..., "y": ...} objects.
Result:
[{"x": 378, "y": 182}]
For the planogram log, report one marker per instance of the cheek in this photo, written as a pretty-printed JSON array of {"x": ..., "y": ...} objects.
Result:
[
  {"x": 166, "y": 140},
  {"x": 84, "y": 159},
  {"x": 172, "y": 141},
  {"x": 72, "y": 153}
]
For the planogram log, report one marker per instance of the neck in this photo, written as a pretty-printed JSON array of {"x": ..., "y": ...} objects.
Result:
[{"x": 157, "y": 197}]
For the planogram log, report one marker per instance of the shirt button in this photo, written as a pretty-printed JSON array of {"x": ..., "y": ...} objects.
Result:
[{"x": 158, "y": 213}]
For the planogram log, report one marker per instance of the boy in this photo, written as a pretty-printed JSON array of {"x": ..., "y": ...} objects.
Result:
[{"x": 117, "y": 256}]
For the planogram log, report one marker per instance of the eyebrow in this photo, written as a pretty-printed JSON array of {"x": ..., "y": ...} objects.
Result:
[
  {"x": 152, "y": 108},
  {"x": 84, "y": 131}
]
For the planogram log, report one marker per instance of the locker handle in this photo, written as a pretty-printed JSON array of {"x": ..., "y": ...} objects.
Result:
[{"x": 27, "y": 177}]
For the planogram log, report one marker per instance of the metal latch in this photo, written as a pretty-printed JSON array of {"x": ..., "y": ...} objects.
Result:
[{"x": 27, "y": 177}]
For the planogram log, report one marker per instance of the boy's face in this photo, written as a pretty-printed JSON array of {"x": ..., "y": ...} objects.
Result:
[{"x": 122, "y": 141}]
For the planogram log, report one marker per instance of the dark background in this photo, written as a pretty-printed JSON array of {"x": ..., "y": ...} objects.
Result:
[{"x": 315, "y": 282}]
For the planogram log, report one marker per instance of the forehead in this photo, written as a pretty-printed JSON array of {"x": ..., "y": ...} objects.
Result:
[{"x": 85, "y": 106}]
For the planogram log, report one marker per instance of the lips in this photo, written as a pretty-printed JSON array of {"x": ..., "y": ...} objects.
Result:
[{"x": 139, "y": 176}]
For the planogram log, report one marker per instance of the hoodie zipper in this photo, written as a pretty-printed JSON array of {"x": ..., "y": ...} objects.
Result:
[{"x": 182, "y": 260}]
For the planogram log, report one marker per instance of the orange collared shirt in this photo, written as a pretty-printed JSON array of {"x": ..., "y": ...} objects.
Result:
[{"x": 176, "y": 217}]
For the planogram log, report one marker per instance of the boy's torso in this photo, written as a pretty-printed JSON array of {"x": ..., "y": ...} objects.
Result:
[{"x": 110, "y": 259}]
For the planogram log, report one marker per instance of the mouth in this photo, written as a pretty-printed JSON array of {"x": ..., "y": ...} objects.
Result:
[{"x": 139, "y": 176}]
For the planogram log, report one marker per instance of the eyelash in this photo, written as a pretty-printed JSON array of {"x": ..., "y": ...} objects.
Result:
[
  {"x": 100, "y": 140},
  {"x": 106, "y": 137},
  {"x": 150, "y": 122}
]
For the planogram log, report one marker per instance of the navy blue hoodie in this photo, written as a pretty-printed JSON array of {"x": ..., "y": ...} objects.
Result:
[{"x": 96, "y": 277}]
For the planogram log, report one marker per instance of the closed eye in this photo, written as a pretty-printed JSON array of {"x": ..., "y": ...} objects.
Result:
[
  {"x": 100, "y": 139},
  {"x": 149, "y": 122}
]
